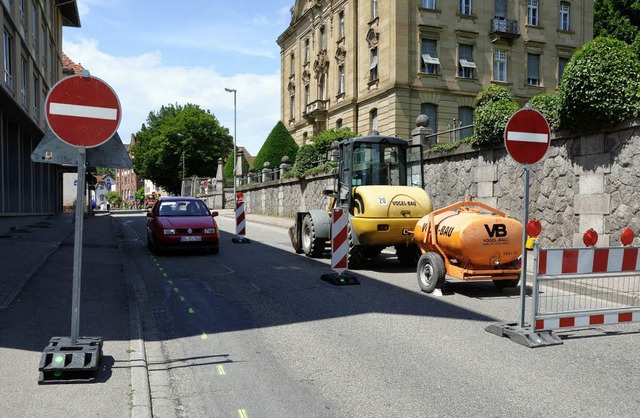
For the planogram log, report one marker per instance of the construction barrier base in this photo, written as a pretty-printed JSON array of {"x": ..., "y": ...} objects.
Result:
[
  {"x": 65, "y": 362},
  {"x": 240, "y": 240},
  {"x": 342, "y": 279},
  {"x": 524, "y": 336}
]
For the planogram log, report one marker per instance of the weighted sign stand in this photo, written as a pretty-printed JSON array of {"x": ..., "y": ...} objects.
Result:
[
  {"x": 339, "y": 251},
  {"x": 82, "y": 111},
  {"x": 527, "y": 137}
]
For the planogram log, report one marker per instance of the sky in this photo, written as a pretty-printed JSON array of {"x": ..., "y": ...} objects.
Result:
[{"x": 159, "y": 52}]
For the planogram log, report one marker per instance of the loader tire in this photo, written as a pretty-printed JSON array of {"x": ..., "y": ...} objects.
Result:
[
  {"x": 408, "y": 255},
  {"x": 430, "y": 272},
  {"x": 311, "y": 246}
]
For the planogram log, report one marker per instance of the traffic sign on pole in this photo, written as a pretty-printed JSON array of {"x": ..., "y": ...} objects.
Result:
[
  {"x": 83, "y": 111},
  {"x": 527, "y": 136}
]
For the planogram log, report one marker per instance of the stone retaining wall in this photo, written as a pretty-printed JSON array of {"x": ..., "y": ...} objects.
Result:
[{"x": 582, "y": 182}]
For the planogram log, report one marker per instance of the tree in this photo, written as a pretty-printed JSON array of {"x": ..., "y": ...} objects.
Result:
[
  {"x": 278, "y": 144},
  {"x": 306, "y": 159},
  {"x": 619, "y": 19},
  {"x": 549, "y": 105},
  {"x": 179, "y": 141},
  {"x": 323, "y": 140},
  {"x": 600, "y": 86}
]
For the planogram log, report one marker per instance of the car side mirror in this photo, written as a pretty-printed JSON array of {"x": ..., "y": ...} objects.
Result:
[
  {"x": 214, "y": 213},
  {"x": 149, "y": 214}
]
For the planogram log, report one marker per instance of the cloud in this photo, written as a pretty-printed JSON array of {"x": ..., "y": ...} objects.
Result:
[{"x": 144, "y": 83}]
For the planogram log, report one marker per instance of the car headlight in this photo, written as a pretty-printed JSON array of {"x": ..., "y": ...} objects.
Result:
[
  {"x": 209, "y": 230},
  {"x": 168, "y": 231}
]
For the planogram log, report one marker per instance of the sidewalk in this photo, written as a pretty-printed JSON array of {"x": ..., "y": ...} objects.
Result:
[{"x": 35, "y": 305}]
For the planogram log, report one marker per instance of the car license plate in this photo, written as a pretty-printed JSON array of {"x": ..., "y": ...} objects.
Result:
[{"x": 190, "y": 239}]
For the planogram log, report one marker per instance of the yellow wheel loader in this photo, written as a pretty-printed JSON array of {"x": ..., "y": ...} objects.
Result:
[{"x": 380, "y": 186}]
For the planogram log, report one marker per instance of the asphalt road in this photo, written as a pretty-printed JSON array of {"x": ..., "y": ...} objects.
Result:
[{"x": 255, "y": 332}]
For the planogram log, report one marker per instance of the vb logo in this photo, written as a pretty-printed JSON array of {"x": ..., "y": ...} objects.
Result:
[{"x": 497, "y": 230}]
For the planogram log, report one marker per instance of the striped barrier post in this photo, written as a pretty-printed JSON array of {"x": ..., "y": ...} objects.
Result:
[
  {"x": 339, "y": 242},
  {"x": 339, "y": 250},
  {"x": 240, "y": 224}
]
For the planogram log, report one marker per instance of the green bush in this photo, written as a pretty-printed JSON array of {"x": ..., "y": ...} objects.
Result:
[
  {"x": 279, "y": 143},
  {"x": 306, "y": 159},
  {"x": 490, "y": 94},
  {"x": 323, "y": 140},
  {"x": 495, "y": 105},
  {"x": 600, "y": 86},
  {"x": 549, "y": 105}
]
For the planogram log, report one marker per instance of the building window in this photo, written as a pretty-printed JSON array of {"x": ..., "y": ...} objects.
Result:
[
  {"x": 341, "y": 79},
  {"x": 293, "y": 64},
  {"x": 431, "y": 111},
  {"x": 465, "y": 118},
  {"x": 373, "y": 122},
  {"x": 562, "y": 62},
  {"x": 339, "y": 124},
  {"x": 323, "y": 38},
  {"x": 322, "y": 87},
  {"x": 565, "y": 8},
  {"x": 465, "y": 7},
  {"x": 307, "y": 51},
  {"x": 21, "y": 10},
  {"x": 307, "y": 95},
  {"x": 34, "y": 25},
  {"x": 341, "y": 25},
  {"x": 8, "y": 59},
  {"x": 466, "y": 64},
  {"x": 501, "y": 8},
  {"x": 429, "y": 4},
  {"x": 500, "y": 65},
  {"x": 533, "y": 69},
  {"x": 429, "y": 56},
  {"x": 24, "y": 67},
  {"x": 36, "y": 97},
  {"x": 373, "y": 68},
  {"x": 43, "y": 49},
  {"x": 532, "y": 13},
  {"x": 292, "y": 106},
  {"x": 374, "y": 9}
]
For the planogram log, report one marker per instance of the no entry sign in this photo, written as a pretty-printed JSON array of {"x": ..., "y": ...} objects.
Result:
[
  {"x": 527, "y": 136},
  {"x": 83, "y": 111}
]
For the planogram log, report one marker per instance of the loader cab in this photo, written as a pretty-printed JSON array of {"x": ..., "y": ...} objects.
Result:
[{"x": 377, "y": 161}]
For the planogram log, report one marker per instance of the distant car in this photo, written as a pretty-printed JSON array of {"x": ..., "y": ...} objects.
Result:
[{"x": 176, "y": 222}]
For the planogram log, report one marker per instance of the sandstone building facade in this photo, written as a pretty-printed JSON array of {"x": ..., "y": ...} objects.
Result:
[{"x": 375, "y": 65}]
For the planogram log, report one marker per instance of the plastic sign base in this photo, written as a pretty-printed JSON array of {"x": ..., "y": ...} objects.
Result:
[
  {"x": 343, "y": 279},
  {"x": 63, "y": 361},
  {"x": 524, "y": 336},
  {"x": 240, "y": 240}
]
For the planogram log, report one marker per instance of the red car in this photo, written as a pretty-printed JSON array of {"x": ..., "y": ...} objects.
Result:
[{"x": 177, "y": 222}]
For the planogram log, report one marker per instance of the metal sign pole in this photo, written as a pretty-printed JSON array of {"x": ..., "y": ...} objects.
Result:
[
  {"x": 523, "y": 272},
  {"x": 77, "y": 246}
]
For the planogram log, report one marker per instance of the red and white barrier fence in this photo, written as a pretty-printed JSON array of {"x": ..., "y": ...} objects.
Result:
[
  {"x": 585, "y": 287},
  {"x": 240, "y": 219}
]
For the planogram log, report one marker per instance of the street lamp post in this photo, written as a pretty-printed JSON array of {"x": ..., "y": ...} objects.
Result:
[{"x": 235, "y": 158}]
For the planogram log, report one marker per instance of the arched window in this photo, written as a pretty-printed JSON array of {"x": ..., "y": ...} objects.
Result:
[
  {"x": 373, "y": 122},
  {"x": 465, "y": 118},
  {"x": 431, "y": 110}
]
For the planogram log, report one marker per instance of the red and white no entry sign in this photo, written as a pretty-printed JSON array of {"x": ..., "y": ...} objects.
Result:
[
  {"x": 527, "y": 136},
  {"x": 83, "y": 111}
]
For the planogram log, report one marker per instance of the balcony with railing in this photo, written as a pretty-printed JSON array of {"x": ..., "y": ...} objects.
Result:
[
  {"x": 502, "y": 28},
  {"x": 316, "y": 110}
]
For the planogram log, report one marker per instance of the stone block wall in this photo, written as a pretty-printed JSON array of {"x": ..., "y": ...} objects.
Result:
[{"x": 582, "y": 182}]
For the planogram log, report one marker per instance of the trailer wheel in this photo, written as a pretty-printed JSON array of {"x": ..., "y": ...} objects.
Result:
[
  {"x": 430, "y": 272},
  {"x": 502, "y": 284},
  {"x": 311, "y": 246}
]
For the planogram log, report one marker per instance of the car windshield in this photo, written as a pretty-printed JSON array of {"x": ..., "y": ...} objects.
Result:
[{"x": 183, "y": 208}]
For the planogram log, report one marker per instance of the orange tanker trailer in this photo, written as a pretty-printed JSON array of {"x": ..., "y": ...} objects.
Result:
[{"x": 468, "y": 241}]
